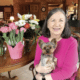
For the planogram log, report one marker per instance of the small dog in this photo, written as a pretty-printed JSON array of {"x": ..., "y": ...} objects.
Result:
[{"x": 47, "y": 56}]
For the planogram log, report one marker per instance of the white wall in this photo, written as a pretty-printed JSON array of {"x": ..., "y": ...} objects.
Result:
[{"x": 6, "y": 2}]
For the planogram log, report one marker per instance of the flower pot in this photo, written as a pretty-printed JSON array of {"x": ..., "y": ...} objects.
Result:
[{"x": 16, "y": 52}]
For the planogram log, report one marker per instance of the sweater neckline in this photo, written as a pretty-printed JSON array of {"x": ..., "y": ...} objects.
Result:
[{"x": 57, "y": 41}]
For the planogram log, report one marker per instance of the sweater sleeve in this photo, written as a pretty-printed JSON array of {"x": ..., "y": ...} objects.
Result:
[
  {"x": 37, "y": 54},
  {"x": 69, "y": 65}
]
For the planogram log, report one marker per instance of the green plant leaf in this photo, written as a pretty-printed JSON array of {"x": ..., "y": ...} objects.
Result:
[
  {"x": 37, "y": 26},
  {"x": 34, "y": 40}
]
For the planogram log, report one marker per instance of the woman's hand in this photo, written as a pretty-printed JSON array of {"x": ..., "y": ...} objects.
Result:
[
  {"x": 43, "y": 69},
  {"x": 38, "y": 76},
  {"x": 48, "y": 77}
]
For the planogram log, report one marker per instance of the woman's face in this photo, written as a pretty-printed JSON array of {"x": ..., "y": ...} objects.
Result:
[{"x": 56, "y": 23}]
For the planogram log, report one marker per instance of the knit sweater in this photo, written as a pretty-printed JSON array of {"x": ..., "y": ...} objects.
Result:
[{"x": 66, "y": 53}]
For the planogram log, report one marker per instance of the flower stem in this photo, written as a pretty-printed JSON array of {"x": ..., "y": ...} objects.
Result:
[
  {"x": 14, "y": 42},
  {"x": 5, "y": 37},
  {"x": 11, "y": 34},
  {"x": 19, "y": 36},
  {"x": 22, "y": 33}
]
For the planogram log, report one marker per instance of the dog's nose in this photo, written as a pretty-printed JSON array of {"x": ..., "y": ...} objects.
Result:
[{"x": 47, "y": 51}]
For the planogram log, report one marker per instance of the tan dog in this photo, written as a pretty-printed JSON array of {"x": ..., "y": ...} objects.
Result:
[{"x": 47, "y": 56}]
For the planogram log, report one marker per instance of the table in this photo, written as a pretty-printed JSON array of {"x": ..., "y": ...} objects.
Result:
[
  {"x": 77, "y": 34},
  {"x": 8, "y": 64}
]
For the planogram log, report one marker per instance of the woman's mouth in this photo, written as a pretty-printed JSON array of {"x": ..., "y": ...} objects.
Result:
[{"x": 56, "y": 29}]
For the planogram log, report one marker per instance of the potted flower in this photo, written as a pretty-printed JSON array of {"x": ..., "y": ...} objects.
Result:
[
  {"x": 14, "y": 33},
  {"x": 31, "y": 23},
  {"x": 14, "y": 39}
]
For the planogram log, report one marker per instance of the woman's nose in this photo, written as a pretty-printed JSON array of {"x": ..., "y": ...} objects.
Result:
[{"x": 57, "y": 23}]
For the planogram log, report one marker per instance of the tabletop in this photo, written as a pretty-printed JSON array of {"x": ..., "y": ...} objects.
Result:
[{"x": 8, "y": 64}]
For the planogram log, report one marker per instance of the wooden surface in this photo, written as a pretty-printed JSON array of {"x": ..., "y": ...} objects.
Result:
[
  {"x": 9, "y": 64},
  {"x": 76, "y": 34}
]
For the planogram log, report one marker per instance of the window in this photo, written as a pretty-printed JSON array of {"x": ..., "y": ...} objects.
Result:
[{"x": 1, "y": 15}]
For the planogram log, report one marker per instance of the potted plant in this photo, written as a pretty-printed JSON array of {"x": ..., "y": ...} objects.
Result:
[
  {"x": 14, "y": 39},
  {"x": 13, "y": 33},
  {"x": 31, "y": 23}
]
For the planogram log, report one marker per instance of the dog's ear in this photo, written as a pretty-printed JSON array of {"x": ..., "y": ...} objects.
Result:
[
  {"x": 54, "y": 41},
  {"x": 40, "y": 42}
]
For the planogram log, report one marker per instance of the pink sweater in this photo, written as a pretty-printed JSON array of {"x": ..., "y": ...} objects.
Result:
[{"x": 67, "y": 57}]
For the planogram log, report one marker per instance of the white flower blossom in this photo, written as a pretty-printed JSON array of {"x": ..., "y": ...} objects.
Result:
[
  {"x": 19, "y": 15},
  {"x": 33, "y": 21},
  {"x": 32, "y": 26},
  {"x": 20, "y": 23},
  {"x": 24, "y": 17},
  {"x": 16, "y": 23},
  {"x": 27, "y": 16},
  {"x": 34, "y": 16}
]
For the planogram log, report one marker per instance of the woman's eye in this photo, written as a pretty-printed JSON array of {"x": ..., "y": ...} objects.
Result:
[
  {"x": 53, "y": 20},
  {"x": 61, "y": 20}
]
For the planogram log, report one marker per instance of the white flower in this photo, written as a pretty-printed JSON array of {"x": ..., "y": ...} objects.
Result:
[
  {"x": 33, "y": 21},
  {"x": 16, "y": 23},
  {"x": 19, "y": 15},
  {"x": 27, "y": 16},
  {"x": 32, "y": 26},
  {"x": 24, "y": 17},
  {"x": 34, "y": 16},
  {"x": 20, "y": 23}
]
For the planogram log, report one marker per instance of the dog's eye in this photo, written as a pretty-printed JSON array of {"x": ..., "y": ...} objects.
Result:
[
  {"x": 44, "y": 47},
  {"x": 50, "y": 47}
]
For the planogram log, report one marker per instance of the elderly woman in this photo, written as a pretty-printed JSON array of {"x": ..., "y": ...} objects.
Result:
[{"x": 56, "y": 26}]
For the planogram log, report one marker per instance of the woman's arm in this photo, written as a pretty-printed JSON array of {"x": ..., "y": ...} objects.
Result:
[{"x": 69, "y": 66}]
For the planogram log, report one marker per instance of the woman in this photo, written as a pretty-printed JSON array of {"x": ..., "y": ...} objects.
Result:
[{"x": 56, "y": 26}]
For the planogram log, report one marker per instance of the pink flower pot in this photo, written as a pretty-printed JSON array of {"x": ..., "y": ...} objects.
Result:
[{"x": 16, "y": 52}]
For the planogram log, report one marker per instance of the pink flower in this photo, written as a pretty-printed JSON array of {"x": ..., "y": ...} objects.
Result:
[
  {"x": 12, "y": 25},
  {"x": 4, "y": 29},
  {"x": 21, "y": 29},
  {"x": 10, "y": 29},
  {"x": 17, "y": 31}
]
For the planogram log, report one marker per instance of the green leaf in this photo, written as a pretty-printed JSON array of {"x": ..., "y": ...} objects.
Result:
[
  {"x": 37, "y": 26},
  {"x": 39, "y": 34},
  {"x": 36, "y": 31},
  {"x": 34, "y": 40}
]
